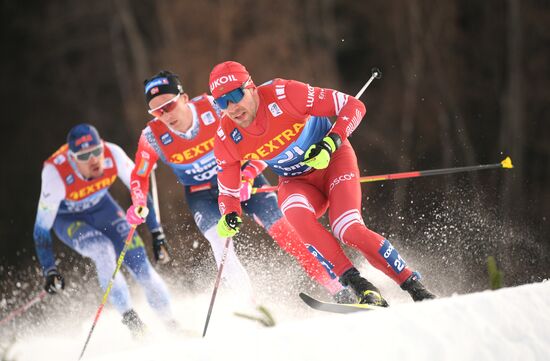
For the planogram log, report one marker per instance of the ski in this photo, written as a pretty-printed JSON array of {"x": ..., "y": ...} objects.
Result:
[
  {"x": 336, "y": 307},
  {"x": 266, "y": 319}
]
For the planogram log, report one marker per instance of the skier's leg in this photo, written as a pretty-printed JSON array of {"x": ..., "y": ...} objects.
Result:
[
  {"x": 264, "y": 208},
  {"x": 204, "y": 206},
  {"x": 302, "y": 199},
  {"x": 347, "y": 224},
  {"x": 302, "y": 203},
  {"x": 91, "y": 243},
  {"x": 156, "y": 291},
  {"x": 116, "y": 228},
  {"x": 234, "y": 272}
]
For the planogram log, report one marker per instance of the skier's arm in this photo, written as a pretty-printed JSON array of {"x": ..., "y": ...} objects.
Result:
[
  {"x": 254, "y": 168},
  {"x": 229, "y": 176},
  {"x": 306, "y": 99},
  {"x": 126, "y": 170},
  {"x": 52, "y": 193},
  {"x": 249, "y": 172}
]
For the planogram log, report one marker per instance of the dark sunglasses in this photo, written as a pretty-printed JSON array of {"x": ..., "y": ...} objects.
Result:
[
  {"x": 85, "y": 155},
  {"x": 234, "y": 96},
  {"x": 165, "y": 108}
]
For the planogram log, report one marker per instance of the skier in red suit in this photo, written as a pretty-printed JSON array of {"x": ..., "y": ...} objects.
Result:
[
  {"x": 285, "y": 123},
  {"x": 182, "y": 136}
]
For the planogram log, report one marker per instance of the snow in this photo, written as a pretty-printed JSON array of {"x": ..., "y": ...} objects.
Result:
[{"x": 507, "y": 324}]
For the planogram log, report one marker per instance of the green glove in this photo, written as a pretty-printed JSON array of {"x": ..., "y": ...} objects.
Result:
[
  {"x": 318, "y": 155},
  {"x": 229, "y": 225}
]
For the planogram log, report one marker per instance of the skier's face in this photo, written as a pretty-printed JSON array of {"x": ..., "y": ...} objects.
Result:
[
  {"x": 172, "y": 110},
  {"x": 90, "y": 163},
  {"x": 243, "y": 113}
]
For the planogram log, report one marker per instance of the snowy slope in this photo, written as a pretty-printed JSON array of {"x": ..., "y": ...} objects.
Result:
[{"x": 509, "y": 324}]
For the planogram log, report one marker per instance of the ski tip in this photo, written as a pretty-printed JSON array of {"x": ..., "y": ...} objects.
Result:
[
  {"x": 264, "y": 316},
  {"x": 507, "y": 163},
  {"x": 269, "y": 320},
  {"x": 336, "y": 307}
]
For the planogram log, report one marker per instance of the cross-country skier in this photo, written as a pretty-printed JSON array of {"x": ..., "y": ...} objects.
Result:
[
  {"x": 182, "y": 136},
  {"x": 285, "y": 123},
  {"x": 75, "y": 202}
]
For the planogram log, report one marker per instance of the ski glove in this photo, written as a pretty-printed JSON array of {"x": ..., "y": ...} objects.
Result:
[
  {"x": 318, "y": 155},
  {"x": 161, "y": 250},
  {"x": 54, "y": 282},
  {"x": 229, "y": 225},
  {"x": 246, "y": 185},
  {"x": 135, "y": 215}
]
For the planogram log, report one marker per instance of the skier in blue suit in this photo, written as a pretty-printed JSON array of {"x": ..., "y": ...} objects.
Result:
[{"x": 75, "y": 202}]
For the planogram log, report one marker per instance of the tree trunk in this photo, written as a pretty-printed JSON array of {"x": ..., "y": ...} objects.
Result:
[
  {"x": 512, "y": 135},
  {"x": 412, "y": 59},
  {"x": 131, "y": 61}
]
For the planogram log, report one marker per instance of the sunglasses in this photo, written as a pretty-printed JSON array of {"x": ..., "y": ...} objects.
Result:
[
  {"x": 165, "y": 108},
  {"x": 84, "y": 156},
  {"x": 234, "y": 96}
]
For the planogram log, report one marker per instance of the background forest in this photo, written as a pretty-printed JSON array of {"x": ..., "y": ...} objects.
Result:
[{"x": 465, "y": 83}]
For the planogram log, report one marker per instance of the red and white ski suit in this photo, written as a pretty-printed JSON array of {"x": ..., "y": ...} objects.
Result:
[
  {"x": 192, "y": 161},
  {"x": 288, "y": 121}
]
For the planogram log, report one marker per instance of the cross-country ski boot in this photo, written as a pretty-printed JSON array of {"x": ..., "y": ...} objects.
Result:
[
  {"x": 366, "y": 291},
  {"x": 131, "y": 319},
  {"x": 416, "y": 289},
  {"x": 345, "y": 296}
]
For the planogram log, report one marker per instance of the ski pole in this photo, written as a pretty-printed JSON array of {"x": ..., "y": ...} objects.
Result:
[
  {"x": 155, "y": 194},
  {"x": 376, "y": 74},
  {"x": 108, "y": 290},
  {"x": 24, "y": 308},
  {"x": 164, "y": 257},
  {"x": 506, "y": 164},
  {"x": 216, "y": 285}
]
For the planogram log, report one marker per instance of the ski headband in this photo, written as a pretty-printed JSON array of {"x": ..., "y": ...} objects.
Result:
[{"x": 162, "y": 83}]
